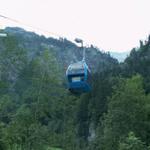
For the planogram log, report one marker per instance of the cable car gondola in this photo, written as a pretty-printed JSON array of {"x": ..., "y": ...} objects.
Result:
[{"x": 78, "y": 76}]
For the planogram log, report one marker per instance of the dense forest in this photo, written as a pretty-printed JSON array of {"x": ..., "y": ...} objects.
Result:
[{"x": 37, "y": 112}]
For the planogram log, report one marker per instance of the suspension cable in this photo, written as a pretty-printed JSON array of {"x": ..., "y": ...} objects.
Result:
[{"x": 28, "y": 25}]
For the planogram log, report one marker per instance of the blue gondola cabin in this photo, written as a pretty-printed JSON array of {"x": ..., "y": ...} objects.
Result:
[{"x": 78, "y": 76}]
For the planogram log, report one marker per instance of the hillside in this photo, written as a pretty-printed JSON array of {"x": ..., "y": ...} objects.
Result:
[
  {"x": 65, "y": 51},
  {"x": 37, "y": 112}
]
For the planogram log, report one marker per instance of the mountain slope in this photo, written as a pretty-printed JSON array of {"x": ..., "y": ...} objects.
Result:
[{"x": 65, "y": 51}]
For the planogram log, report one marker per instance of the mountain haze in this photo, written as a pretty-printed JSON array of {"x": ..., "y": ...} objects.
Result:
[{"x": 120, "y": 56}]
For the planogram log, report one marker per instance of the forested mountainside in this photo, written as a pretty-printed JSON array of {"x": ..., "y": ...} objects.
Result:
[
  {"x": 65, "y": 51},
  {"x": 37, "y": 112}
]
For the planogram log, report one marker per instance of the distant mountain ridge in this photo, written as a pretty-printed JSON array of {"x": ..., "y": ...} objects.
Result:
[{"x": 120, "y": 56}]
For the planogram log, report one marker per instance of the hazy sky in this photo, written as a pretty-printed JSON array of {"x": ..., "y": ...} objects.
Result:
[{"x": 115, "y": 25}]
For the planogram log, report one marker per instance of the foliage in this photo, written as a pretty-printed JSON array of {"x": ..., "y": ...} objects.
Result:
[
  {"x": 132, "y": 143},
  {"x": 38, "y": 113}
]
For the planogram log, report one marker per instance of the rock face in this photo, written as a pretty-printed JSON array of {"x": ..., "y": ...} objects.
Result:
[{"x": 65, "y": 51}]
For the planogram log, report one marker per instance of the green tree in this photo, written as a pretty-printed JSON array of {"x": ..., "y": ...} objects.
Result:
[
  {"x": 126, "y": 112},
  {"x": 132, "y": 143}
]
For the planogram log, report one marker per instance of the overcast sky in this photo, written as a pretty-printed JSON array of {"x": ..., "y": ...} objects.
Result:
[{"x": 115, "y": 25}]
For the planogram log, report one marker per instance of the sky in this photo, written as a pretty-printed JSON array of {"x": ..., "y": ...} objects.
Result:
[{"x": 111, "y": 25}]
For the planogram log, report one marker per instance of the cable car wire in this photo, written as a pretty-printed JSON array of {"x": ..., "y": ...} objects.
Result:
[{"x": 33, "y": 27}]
